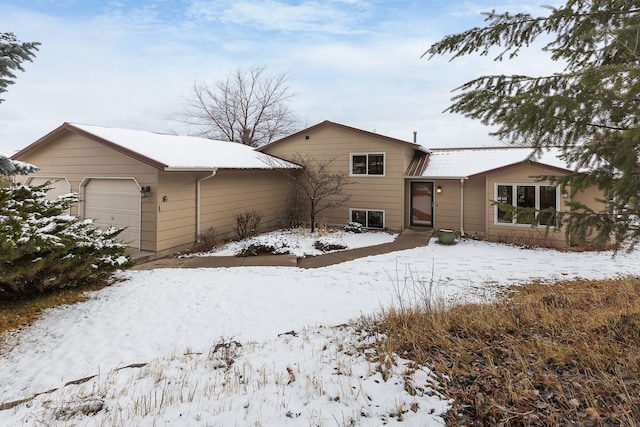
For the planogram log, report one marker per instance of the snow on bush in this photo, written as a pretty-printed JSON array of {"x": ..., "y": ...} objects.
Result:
[
  {"x": 42, "y": 247},
  {"x": 353, "y": 227},
  {"x": 329, "y": 243}
]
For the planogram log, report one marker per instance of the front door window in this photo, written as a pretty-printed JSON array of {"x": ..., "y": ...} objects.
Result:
[{"x": 422, "y": 203}]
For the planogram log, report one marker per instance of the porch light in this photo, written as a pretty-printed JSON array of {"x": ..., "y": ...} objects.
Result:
[
  {"x": 144, "y": 191},
  {"x": 438, "y": 189}
]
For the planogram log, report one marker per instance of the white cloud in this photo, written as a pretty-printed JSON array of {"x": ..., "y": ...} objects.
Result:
[
  {"x": 133, "y": 67},
  {"x": 274, "y": 15}
]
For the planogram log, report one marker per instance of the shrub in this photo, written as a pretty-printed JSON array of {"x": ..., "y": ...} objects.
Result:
[
  {"x": 256, "y": 249},
  {"x": 43, "y": 248},
  {"x": 207, "y": 240},
  {"x": 353, "y": 227},
  {"x": 294, "y": 211},
  {"x": 247, "y": 223},
  {"x": 328, "y": 244}
]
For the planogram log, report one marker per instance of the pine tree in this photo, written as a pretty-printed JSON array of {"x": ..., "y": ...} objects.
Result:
[
  {"x": 591, "y": 110},
  {"x": 42, "y": 247},
  {"x": 10, "y": 167},
  {"x": 12, "y": 54}
]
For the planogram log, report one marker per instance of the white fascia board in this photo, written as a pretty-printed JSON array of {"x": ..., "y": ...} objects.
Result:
[
  {"x": 172, "y": 169},
  {"x": 435, "y": 177}
]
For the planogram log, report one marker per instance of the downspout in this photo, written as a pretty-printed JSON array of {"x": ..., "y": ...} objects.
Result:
[
  {"x": 198, "y": 181},
  {"x": 462, "y": 207}
]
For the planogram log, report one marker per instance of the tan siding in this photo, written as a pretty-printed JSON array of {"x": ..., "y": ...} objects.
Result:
[
  {"x": 475, "y": 202},
  {"x": 177, "y": 216},
  {"x": 77, "y": 158},
  {"x": 236, "y": 192},
  {"x": 519, "y": 233},
  {"x": 447, "y": 204},
  {"x": 588, "y": 198},
  {"x": 367, "y": 192}
]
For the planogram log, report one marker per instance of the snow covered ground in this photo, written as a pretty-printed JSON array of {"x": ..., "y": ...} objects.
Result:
[
  {"x": 258, "y": 346},
  {"x": 300, "y": 242}
]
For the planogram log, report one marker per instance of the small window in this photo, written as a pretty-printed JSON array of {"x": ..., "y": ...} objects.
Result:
[
  {"x": 526, "y": 200},
  {"x": 505, "y": 196},
  {"x": 367, "y": 164},
  {"x": 548, "y": 198},
  {"x": 359, "y": 164},
  {"x": 368, "y": 218}
]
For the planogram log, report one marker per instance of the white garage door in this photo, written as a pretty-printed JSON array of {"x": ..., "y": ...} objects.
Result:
[
  {"x": 115, "y": 202},
  {"x": 59, "y": 186}
]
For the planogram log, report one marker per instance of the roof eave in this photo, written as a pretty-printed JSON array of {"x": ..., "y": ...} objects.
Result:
[
  {"x": 349, "y": 128},
  {"x": 435, "y": 177},
  {"x": 524, "y": 163}
]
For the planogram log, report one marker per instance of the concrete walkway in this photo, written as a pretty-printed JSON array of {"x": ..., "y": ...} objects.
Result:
[{"x": 408, "y": 239}]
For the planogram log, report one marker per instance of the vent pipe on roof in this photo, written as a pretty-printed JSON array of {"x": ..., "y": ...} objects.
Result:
[{"x": 415, "y": 136}]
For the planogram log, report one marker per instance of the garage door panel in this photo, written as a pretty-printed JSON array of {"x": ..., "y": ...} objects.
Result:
[
  {"x": 115, "y": 203},
  {"x": 59, "y": 186}
]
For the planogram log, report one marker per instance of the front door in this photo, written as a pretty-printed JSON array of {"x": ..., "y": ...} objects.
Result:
[{"x": 422, "y": 204}]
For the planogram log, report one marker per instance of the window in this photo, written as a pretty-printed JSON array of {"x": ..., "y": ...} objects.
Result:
[
  {"x": 367, "y": 164},
  {"x": 368, "y": 218},
  {"x": 534, "y": 197}
]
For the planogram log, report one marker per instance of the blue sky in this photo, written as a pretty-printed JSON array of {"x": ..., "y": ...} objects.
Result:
[{"x": 357, "y": 62}]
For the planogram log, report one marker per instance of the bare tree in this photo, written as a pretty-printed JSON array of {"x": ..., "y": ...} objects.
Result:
[
  {"x": 318, "y": 183},
  {"x": 249, "y": 107}
]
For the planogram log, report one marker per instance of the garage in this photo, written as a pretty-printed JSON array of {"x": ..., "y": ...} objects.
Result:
[
  {"x": 114, "y": 203},
  {"x": 59, "y": 186}
]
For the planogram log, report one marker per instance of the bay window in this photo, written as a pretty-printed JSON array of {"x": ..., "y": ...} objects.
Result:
[{"x": 529, "y": 200}]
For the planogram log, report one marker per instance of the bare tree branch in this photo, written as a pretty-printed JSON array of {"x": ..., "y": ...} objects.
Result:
[
  {"x": 248, "y": 107},
  {"x": 318, "y": 184}
]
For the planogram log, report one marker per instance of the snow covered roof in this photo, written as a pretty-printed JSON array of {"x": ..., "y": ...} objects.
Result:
[
  {"x": 187, "y": 152},
  {"x": 174, "y": 152},
  {"x": 466, "y": 162}
]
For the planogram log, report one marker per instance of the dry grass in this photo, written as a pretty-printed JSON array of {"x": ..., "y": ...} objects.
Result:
[
  {"x": 15, "y": 313},
  {"x": 563, "y": 354}
]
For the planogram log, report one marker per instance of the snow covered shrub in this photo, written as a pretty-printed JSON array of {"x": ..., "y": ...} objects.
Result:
[
  {"x": 42, "y": 247},
  {"x": 247, "y": 223},
  {"x": 353, "y": 227},
  {"x": 256, "y": 249},
  {"x": 264, "y": 246},
  {"x": 326, "y": 244}
]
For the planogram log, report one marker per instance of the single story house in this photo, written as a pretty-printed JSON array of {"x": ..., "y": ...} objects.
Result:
[{"x": 167, "y": 189}]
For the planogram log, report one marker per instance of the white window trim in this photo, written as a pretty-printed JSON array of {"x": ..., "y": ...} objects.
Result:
[
  {"x": 514, "y": 194},
  {"x": 384, "y": 163},
  {"x": 384, "y": 217}
]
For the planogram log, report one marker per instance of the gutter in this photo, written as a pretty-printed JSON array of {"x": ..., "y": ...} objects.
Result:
[
  {"x": 462, "y": 207},
  {"x": 172, "y": 169},
  {"x": 198, "y": 182},
  {"x": 429, "y": 177}
]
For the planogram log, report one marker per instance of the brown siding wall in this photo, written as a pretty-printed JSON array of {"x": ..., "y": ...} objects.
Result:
[
  {"x": 447, "y": 204},
  {"x": 76, "y": 158},
  {"x": 236, "y": 192},
  {"x": 367, "y": 192},
  {"x": 176, "y": 216},
  {"x": 588, "y": 198},
  {"x": 475, "y": 202}
]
